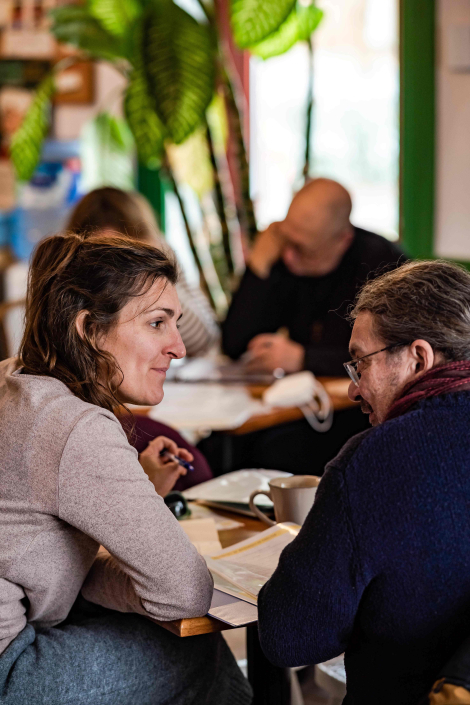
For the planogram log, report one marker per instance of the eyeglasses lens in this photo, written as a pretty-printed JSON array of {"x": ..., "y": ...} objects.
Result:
[{"x": 352, "y": 372}]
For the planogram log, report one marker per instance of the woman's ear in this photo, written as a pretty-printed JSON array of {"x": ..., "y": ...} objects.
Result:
[{"x": 80, "y": 323}]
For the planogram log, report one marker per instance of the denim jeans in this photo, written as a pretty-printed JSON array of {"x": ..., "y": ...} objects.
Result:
[{"x": 102, "y": 657}]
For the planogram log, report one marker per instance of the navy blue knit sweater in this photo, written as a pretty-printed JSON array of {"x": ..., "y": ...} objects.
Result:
[{"x": 381, "y": 567}]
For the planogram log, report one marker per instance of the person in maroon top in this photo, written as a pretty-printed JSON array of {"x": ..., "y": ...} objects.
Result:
[{"x": 142, "y": 431}]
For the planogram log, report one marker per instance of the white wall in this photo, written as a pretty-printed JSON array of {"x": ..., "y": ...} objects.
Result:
[{"x": 452, "y": 237}]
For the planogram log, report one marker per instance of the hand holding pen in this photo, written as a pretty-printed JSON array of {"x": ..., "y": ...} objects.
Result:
[
  {"x": 165, "y": 453},
  {"x": 164, "y": 463}
]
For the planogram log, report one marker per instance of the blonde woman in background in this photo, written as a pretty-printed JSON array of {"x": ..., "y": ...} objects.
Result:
[{"x": 110, "y": 210}]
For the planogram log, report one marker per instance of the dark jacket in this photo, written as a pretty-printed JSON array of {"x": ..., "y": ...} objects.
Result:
[
  {"x": 381, "y": 567},
  {"x": 313, "y": 309}
]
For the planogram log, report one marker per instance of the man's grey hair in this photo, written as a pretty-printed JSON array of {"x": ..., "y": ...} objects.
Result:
[{"x": 427, "y": 300}]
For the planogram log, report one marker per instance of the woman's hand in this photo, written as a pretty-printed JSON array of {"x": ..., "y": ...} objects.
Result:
[{"x": 161, "y": 470}]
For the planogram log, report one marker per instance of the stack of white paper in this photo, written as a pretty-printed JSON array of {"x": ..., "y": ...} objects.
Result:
[{"x": 200, "y": 407}]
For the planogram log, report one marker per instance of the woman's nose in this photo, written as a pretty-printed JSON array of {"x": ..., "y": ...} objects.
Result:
[
  {"x": 353, "y": 391},
  {"x": 177, "y": 348}
]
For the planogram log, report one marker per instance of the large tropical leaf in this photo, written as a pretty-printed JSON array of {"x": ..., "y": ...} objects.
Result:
[
  {"x": 73, "y": 24},
  {"x": 146, "y": 126},
  {"x": 254, "y": 20},
  {"x": 26, "y": 143},
  {"x": 300, "y": 24},
  {"x": 190, "y": 162},
  {"x": 116, "y": 16},
  {"x": 179, "y": 60}
]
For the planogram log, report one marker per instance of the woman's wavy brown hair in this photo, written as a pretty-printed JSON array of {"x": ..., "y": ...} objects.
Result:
[{"x": 72, "y": 273}]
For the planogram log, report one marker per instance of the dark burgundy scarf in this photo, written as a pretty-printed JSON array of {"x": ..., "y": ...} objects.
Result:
[{"x": 454, "y": 377}]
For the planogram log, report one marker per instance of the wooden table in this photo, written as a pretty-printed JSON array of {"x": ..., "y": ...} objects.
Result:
[{"x": 271, "y": 685}]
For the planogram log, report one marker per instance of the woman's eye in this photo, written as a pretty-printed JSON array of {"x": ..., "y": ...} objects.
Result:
[{"x": 156, "y": 324}]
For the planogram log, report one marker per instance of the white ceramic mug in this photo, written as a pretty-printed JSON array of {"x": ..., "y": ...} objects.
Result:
[{"x": 292, "y": 498}]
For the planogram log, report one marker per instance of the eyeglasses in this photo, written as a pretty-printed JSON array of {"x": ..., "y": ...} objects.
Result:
[{"x": 351, "y": 366}]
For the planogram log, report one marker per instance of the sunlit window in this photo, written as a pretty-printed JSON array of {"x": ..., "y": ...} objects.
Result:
[{"x": 355, "y": 116}]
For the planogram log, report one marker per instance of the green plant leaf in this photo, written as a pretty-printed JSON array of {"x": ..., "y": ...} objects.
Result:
[
  {"x": 115, "y": 15},
  {"x": 179, "y": 61},
  {"x": 73, "y": 24},
  {"x": 113, "y": 132},
  {"x": 146, "y": 126},
  {"x": 26, "y": 143},
  {"x": 300, "y": 24},
  {"x": 254, "y": 20},
  {"x": 191, "y": 164}
]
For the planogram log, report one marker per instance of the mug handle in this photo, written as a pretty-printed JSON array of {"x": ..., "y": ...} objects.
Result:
[{"x": 257, "y": 511}]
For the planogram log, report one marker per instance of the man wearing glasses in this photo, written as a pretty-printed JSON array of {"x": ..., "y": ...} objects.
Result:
[{"x": 381, "y": 568}]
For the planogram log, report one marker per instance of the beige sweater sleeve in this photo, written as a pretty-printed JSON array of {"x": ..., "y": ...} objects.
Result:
[{"x": 151, "y": 568}]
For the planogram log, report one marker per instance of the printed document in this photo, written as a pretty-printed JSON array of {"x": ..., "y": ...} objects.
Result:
[{"x": 248, "y": 565}]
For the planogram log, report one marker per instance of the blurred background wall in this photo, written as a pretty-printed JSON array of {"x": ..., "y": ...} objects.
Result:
[{"x": 453, "y": 136}]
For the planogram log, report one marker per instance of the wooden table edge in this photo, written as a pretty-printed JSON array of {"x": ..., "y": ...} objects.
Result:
[{"x": 193, "y": 626}]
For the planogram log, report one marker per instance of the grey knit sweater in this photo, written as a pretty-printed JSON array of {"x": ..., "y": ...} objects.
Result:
[{"x": 70, "y": 481}]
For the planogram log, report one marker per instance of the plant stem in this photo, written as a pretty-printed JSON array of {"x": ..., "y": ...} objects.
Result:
[
  {"x": 192, "y": 244},
  {"x": 220, "y": 203},
  {"x": 246, "y": 214},
  {"x": 308, "y": 126}
]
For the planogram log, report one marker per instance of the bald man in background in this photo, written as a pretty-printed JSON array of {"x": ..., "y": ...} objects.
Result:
[{"x": 302, "y": 274}]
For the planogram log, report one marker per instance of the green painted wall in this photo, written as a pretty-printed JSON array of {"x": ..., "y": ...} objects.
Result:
[
  {"x": 417, "y": 116},
  {"x": 151, "y": 185}
]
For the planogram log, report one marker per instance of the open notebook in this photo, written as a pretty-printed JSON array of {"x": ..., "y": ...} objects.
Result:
[{"x": 241, "y": 570}]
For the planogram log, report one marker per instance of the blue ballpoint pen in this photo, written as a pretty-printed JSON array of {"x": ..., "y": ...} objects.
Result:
[{"x": 183, "y": 463}]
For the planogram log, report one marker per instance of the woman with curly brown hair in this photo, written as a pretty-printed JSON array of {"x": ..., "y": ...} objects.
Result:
[
  {"x": 111, "y": 211},
  {"x": 76, "y": 619}
]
